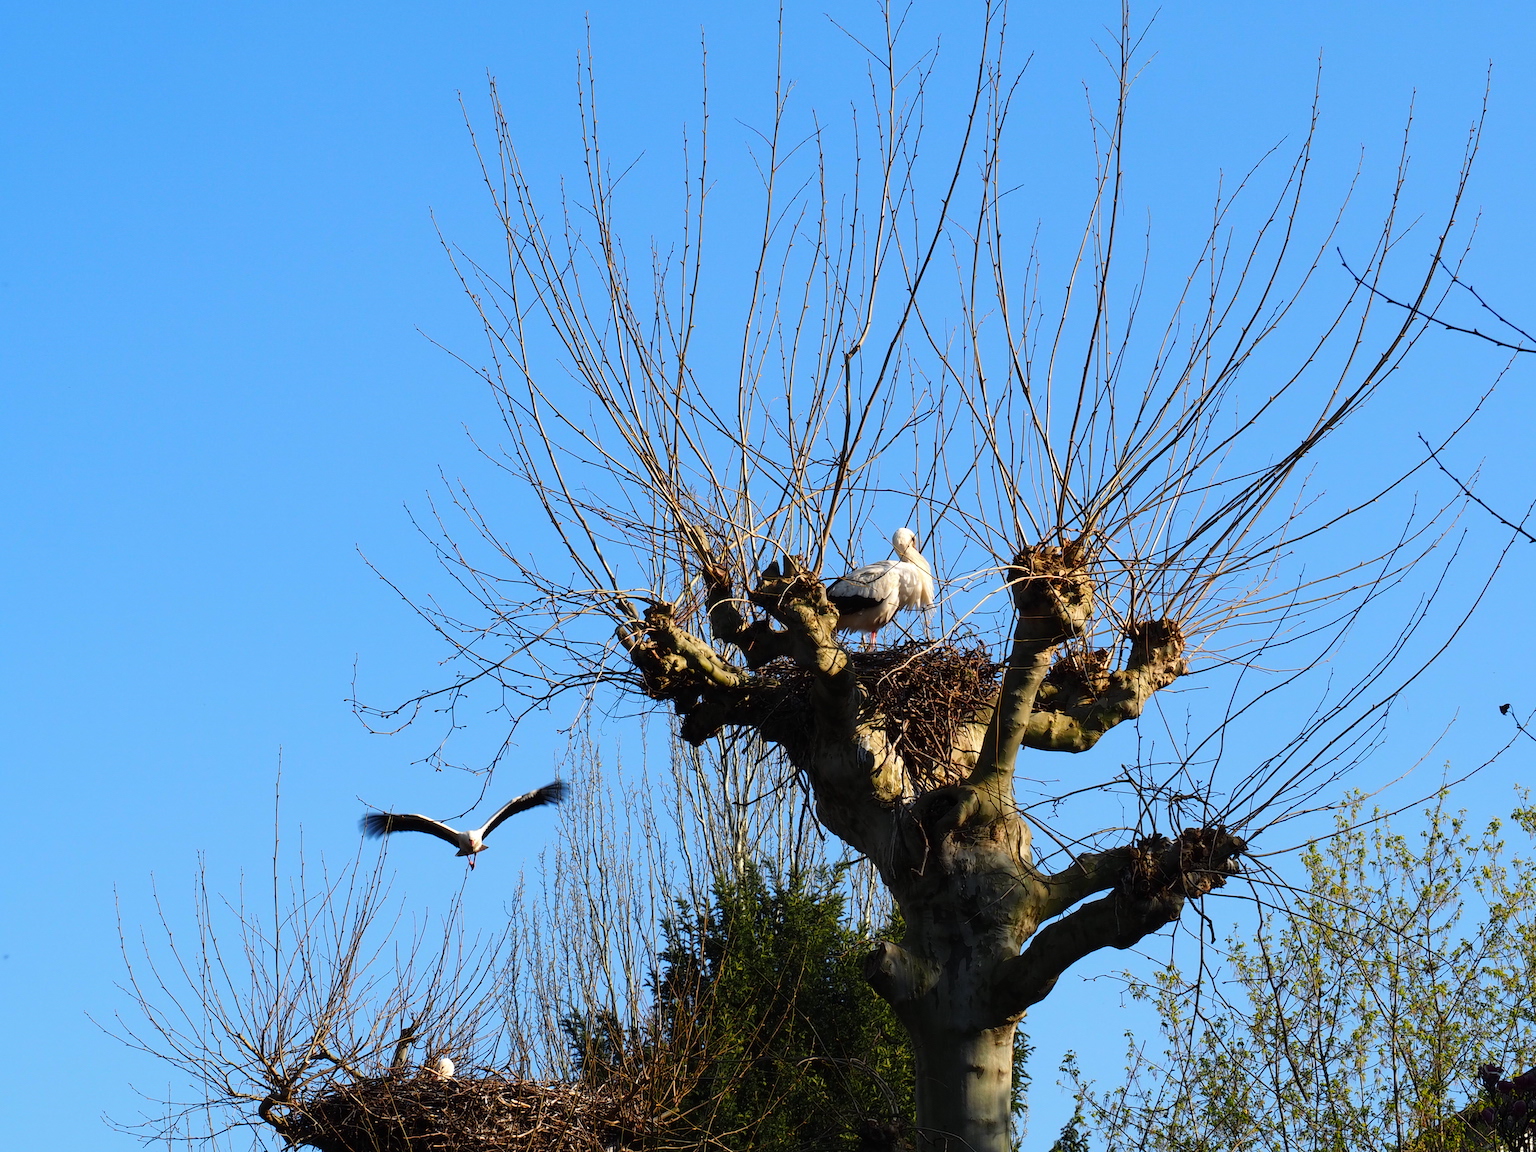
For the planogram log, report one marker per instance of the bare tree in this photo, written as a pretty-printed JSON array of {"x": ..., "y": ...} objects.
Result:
[
  {"x": 277, "y": 998},
  {"x": 1117, "y": 501}
]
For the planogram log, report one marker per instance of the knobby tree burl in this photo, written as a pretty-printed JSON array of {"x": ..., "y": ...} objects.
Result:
[{"x": 1113, "y": 503}]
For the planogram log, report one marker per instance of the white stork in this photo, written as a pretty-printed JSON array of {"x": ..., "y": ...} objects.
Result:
[
  {"x": 442, "y": 1067},
  {"x": 869, "y": 597},
  {"x": 468, "y": 843}
]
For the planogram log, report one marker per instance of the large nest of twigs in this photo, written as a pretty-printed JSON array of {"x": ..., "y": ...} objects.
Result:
[
  {"x": 468, "y": 1114},
  {"x": 922, "y": 693}
]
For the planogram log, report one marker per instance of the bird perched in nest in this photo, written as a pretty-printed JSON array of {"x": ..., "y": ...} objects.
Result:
[
  {"x": 442, "y": 1068},
  {"x": 377, "y": 824},
  {"x": 868, "y": 598}
]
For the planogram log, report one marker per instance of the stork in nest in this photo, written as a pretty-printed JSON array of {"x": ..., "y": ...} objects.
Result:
[{"x": 868, "y": 598}]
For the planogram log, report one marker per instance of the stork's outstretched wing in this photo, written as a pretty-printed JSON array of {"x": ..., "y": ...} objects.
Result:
[
  {"x": 549, "y": 794},
  {"x": 377, "y": 824}
]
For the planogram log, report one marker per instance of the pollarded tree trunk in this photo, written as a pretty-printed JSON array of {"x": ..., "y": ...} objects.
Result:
[{"x": 940, "y": 822}]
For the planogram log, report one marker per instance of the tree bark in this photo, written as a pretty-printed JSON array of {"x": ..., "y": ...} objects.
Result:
[
  {"x": 963, "y": 924},
  {"x": 964, "y": 1087}
]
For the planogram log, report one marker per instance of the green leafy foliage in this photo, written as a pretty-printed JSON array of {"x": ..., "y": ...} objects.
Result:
[
  {"x": 762, "y": 1006},
  {"x": 799, "y": 1047},
  {"x": 763, "y": 1011},
  {"x": 1355, "y": 1018},
  {"x": 1018, "y": 1102},
  {"x": 1074, "y": 1137}
]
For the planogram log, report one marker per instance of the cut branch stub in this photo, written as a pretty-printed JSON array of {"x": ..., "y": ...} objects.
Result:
[
  {"x": 1157, "y": 649},
  {"x": 1052, "y": 590},
  {"x": 896, "y": 974},
  {"x": 757, "y": 641},
  {"x": 786, "y": 595},
  {"x": 725, "y": 619},
  {"x": 1194, "y": 863}
]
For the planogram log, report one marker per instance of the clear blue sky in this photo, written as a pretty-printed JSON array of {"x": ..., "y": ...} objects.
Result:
[{"x": 216, "y": 251}]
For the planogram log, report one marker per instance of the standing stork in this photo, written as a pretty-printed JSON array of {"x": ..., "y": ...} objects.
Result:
[
  {"x": 869, "y": 597},
  {"x": 468, "y": 843}
]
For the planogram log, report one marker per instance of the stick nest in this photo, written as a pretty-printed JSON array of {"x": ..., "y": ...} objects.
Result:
[
  {"x": 925, "y": 694},
  {"x": 491, "y": 1113},
  {"x": 921, "y": 693}
]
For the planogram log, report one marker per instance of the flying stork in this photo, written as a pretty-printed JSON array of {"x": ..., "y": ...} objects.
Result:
[
  {"x": 869, "y": 597},
  {"x": 377, "y": 824}
]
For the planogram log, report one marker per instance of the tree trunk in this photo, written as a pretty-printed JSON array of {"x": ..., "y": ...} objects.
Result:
[
  {"x": 967, "y": 914},
  {"x": 964, "y": 1087}
]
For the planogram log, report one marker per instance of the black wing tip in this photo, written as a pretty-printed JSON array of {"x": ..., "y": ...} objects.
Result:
[
  {"x": 552, "y": 793},
  {"x": 374, "y": 824},
  {"x": 847, "y": 604}
]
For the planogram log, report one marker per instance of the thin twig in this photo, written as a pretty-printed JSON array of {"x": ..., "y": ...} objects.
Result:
[
  {"x": 1432, "y": 318},
  {"x": 1468, "y": 493}
]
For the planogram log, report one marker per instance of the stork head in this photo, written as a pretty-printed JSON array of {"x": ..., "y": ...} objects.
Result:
[{"x": 905, "y": 541}]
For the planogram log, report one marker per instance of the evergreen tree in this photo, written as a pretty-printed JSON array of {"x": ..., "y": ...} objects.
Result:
[{"x": 797, "y": 1048}]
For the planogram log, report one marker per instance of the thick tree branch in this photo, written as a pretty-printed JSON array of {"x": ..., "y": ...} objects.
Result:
[
  {"x": 672, "y": 659},
  {"x": 1089, "y": 873},
  {"x": 1156, "y": 878},
  {"x": 408, "y": 1037},
  {"x": 265, "y": 1111},
  {"x": 1053, "y": 599},
  {"x": 757, "y": 641},
  {"x": 1071, "y": 717},
  {"x": 1113, "y": 921}
]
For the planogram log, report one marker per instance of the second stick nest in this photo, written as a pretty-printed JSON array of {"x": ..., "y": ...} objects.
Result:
[{"x": 490, "y": 1113}]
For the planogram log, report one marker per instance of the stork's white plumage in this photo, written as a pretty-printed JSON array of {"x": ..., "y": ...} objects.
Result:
[
  {"x": 868, "y": 598},
  {"x": 442, "y": 1067},
  {"x": 467, "y": 843}
]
